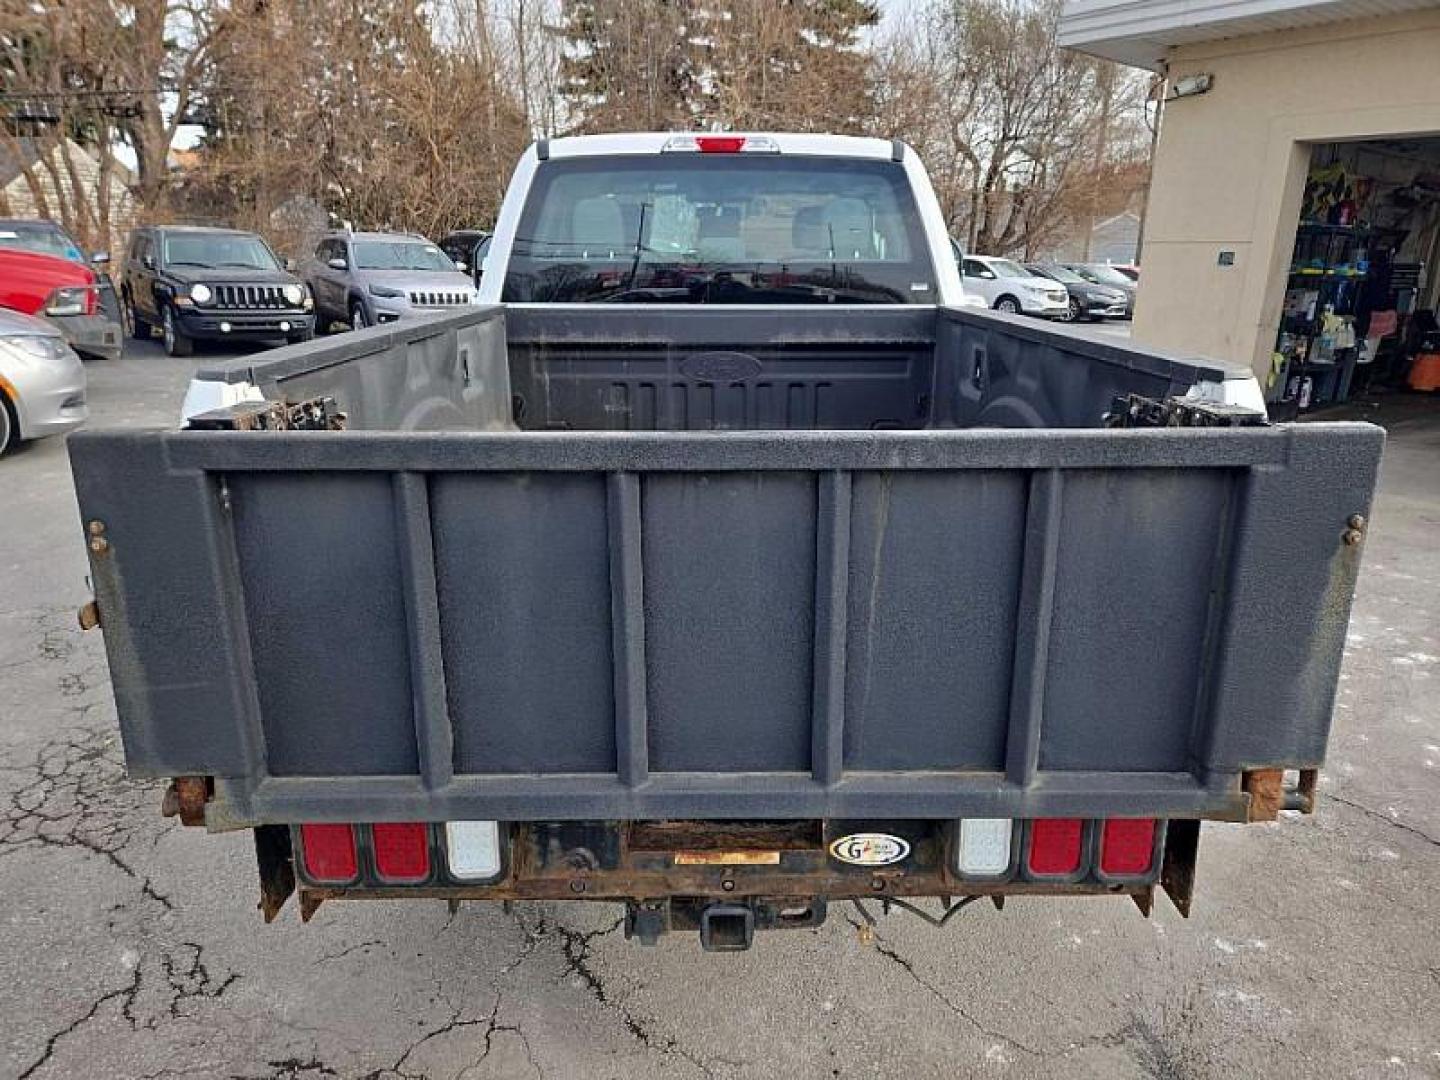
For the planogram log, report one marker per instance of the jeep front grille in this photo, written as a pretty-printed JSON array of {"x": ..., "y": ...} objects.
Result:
[
  {"x": 244, "y": 297},
  {"x": 439, "y": 299}
]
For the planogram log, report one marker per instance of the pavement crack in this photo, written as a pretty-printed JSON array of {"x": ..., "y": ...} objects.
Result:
[
  {"x": 575, "y": 947},
  {"x": 1386, "y": 818},
  {"x": 125, "y": 994},
  {"x": 75, "y": 795},
  {"x": 292, "y": 1068},
  {"x": 905, "y": 965},
  {"x": 357, "y": 947},
  {"x": 455, "y": 1023},
  {"x": 493, "y": 1027},
  {"x": 189, "y": 979}
]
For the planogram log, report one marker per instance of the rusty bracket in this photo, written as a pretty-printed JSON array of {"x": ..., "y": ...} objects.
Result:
[
  {"x": 88, "y": 616},
  {"x": 1266, "y": 788},
  {"x": 186, "y": 797},
  {"x": 1302, "y": 798},
  {"x": 1354, "y": 530},
  {"x": 310, "y": 901},
  {"x": 313, "y": 414}
]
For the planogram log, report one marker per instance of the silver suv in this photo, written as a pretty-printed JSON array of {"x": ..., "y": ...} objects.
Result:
[{"x": 365, "y": 278}]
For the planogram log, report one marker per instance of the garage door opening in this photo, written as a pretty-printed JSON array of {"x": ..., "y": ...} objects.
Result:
[{"x": 1359, "y": 315}]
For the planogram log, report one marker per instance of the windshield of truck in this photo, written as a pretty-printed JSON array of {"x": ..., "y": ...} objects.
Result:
[
  {"x": 41, "y": 237},
  {"x": 400, "y": 255},
  {"x": 712, "y": 229},
  {"x": 219, "y": 249}
]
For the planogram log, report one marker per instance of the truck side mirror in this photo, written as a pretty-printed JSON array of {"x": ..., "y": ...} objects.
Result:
[
  {"x": 289, "y": 266},
  {"x": 148, "y": 261},
  {"x": 337, "y": 263},
  {"x": 101, "y": 258},
  {"x": 460, "y": 265}
]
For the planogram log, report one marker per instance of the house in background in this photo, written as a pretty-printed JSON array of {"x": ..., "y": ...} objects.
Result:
[
  {"x": 29, "y": 171},
  {"x": 1114, "y": 240}
]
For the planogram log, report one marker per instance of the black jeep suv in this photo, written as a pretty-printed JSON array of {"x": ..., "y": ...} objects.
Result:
[{"x": 212, "y": 284}]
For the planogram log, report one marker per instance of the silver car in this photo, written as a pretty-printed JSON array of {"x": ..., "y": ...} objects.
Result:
[
  {"x": 42, "y": 382},
  {"x": 367, "y": 278}
]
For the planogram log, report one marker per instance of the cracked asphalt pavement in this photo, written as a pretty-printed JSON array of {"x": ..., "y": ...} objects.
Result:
[{"x": 131, "y": 947}]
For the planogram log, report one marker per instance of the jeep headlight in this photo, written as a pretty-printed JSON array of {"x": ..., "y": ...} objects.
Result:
[
  {"x": 200, "y": 293},
  {"x": 294, "y": 294}
]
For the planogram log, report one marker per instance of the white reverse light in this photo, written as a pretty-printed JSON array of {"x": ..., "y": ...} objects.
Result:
[
  {"x": 473, "y": 849},
  {"x": 984, "y": 846}
]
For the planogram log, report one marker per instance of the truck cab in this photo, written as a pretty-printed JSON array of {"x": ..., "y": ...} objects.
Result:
[
  {"x": 720, "y": 219},
  {"x": 751, "y": 218}
]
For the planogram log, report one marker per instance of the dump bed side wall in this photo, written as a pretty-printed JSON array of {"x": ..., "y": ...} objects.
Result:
[
  {"x": 1011, "y": 371},
  {"x": 438, "y": 373},
  {"x": 373, "y": 625}
]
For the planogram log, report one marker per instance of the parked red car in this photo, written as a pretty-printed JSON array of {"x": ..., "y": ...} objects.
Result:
[{"x": 62, "y": 291}]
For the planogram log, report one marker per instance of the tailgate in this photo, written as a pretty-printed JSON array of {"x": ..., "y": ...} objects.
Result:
[{"x": 539, "y": 626}]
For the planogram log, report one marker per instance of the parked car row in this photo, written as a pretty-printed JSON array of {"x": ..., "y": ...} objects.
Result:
[
  {"x": 221, "y": 284},
  {"x": 194, "y": 284},
  {"x": 1069, "y": 292}
]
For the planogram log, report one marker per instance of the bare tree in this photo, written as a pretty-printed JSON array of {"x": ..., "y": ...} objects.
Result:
[
  {"x": 383, "y": 116},
  {"x": 59, "y": 118},
  {"x": 793, "y": 66},
  {"x": 410, "y": 115},
  {"x": 1013, "y": 127}
]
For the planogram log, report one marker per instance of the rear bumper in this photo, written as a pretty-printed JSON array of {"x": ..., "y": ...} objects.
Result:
[
  {"x": 93, "y": 335},
  {"x": 1107, "y": 311},
  {"x": 1045, "y": 307},
  {"x": 389, "y": 309},
  {"x": 219, "y": 325}
]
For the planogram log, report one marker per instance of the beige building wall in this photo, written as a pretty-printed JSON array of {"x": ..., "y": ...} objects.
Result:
[{"x": 1231, "y": 164}]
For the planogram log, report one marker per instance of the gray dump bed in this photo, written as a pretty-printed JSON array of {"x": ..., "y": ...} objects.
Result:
[{"x": 930, "y": 622}]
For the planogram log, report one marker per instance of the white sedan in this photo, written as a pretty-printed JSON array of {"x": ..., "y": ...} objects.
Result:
[
  {"x": 1009, "y": 287},
  {"x": 42, "y": 382}
]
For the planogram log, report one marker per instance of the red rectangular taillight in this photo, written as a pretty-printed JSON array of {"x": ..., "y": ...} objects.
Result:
[
  {"x": 329, "y": 852},
  {"x": 1127, "y": 847},
  {"x": 1055, "y": 846},
  {"x": 402, "y": 851}
]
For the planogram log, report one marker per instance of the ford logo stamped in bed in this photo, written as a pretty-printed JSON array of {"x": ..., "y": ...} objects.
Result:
[{"x": 869, "y": 849}]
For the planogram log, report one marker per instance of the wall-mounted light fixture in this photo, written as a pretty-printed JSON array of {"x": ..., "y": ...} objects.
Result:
[{"x": 1191, "y": 86}]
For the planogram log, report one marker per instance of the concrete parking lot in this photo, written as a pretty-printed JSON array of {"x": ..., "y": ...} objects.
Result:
[{"x": 131, "y": 947}]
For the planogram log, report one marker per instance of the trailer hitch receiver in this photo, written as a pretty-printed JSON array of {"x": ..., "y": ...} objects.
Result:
[{"x": 727, "y": 928}]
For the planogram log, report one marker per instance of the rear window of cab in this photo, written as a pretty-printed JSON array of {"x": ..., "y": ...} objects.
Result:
[{"x": 720, "y": 229}]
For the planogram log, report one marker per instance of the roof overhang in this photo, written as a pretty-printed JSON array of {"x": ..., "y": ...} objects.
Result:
[{"x": 1142, "y": 32}]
